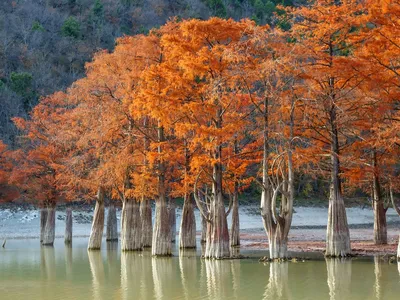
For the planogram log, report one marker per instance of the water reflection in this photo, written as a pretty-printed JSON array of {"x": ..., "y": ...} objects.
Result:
[
  {"x": 378, "y": 277},
  {"x": 219, "y": 279},
  {"x": 188, "y": 270},
  {"x": 163, "y": 277},
  {"x": 339, "y": 278},
  {"x": 398, "y": 266},
  {"x": 235, "y": 270},
  {"x": 98, "y": 276},
  {"x": 72, "y": 273},
  {"x": 277, "y": 287},
  {"x": 48, "y": 262},
  {"x": 68, "y": 261}
]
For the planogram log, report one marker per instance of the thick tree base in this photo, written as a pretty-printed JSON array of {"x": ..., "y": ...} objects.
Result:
[
  {"x": 161, "y": 244},
  {"x": 337, "y": 236},
  {"x": 50, "y": 228},
  {"x": 130, "y": 226},
  {"x": 146, "y": 223},
  {"x": 112, "y": 226},
  {"x": 96, "y": 233}
]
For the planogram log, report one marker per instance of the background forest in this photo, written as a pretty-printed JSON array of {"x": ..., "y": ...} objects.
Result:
[{"x": 44, "y": 44}]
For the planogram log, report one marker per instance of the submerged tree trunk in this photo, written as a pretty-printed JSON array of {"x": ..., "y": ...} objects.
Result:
[
  {"x": 235, "y": 229},
  {"x": 187, "y": 231},
  {"x": 146, "y": 223},
  {"x": 277, "y": 223},
  {"x": 337, "y": 236},
  {"x": 204, "y": 225},
  {"x": 130, "y": 226},
  {"x": 43, "y": 219},
  {"x": 380, "y": 225},
  {"x": 217, "y": 243},
  {"x": 398, "y": 249},
  {"x": 50, "y": 228},
  {"x": 96, "y": 233},
  {"x": 112, "y": 226},
  {"x": 161, "y": 244},
  {"x": 172, "y": 218},
  {"x": 68, "y": 226}
]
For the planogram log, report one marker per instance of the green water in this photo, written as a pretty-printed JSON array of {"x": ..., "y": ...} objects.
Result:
[{"x": 28, "y": 271}]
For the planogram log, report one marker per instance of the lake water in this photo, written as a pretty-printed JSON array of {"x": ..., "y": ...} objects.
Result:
[{"x": 28, "y": 271}]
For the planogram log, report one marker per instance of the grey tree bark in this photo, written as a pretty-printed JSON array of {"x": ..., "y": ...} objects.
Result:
[
  {"x": 235, "y": 229},
  {"x": 203, "y": 237},
  {"x": 217, "y": 238},
  {"x": 337, "y": 235},
  {"x": 43, "y": 219},
  {"x": 112, "y": 226},
  {"x": 161, "y": 244},
  {"x": 277, "y": 223},
  {"x": 96, "y": 233},
  {"x": 397, "y": 209},
  {"x": 380, "y": 224},
  {"x": 146, "y": 223},
  {"x": 68, "y": 226},
  {"x": 172, "y": 218},
  {"x": 131, "y": 238},
  {"x": 50, "y": 227},
  {"x": 187, "y": 231}
]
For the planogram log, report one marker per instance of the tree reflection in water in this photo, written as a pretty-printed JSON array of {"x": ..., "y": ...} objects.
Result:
[
  {"x": 98, "y": 276},
  {"x": 378, "y": 277},
  {"x": 136, "y": 275},
  {"x": 48, "y": 262},
  {"x": 68, "y": 261},
  {"x": 163, "y": 277},
  {"x": 219, "y": 279},
  {"x": 277, "y": 287},
  {"x": 188, "y": 270},
  {"x": 339, "y": 278}
]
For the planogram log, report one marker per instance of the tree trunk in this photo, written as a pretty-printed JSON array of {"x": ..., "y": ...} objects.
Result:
[
  {"x": 172, "y": 218},
  {"x": 235, "y": 229},
  {"x": 187, "y": 231},
  {"x": 112, "y": 226},
  {"x": 96, "y": 233},
  {"x": 146, "y": 220},
  {"x": 217, "y": 244},
  {"x": 130, "y": 226},
  {"x": 43, "y": 219},
  {"x": 338, "y": 235},
  {"x": 398, "y": 249},
  {"x": 203, "y": 237},
  {"x": 50, "y": 228},
  {"x": 380, "y": 226},
  {"x": 161, "y": 245},
  {"x": 68, "y": 226}
]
